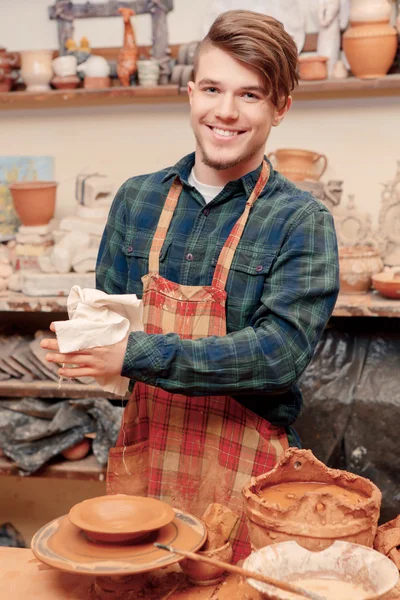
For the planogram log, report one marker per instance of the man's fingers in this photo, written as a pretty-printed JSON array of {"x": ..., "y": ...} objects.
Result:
[
  {"x": 74, "y": 359},
  {"x": 78, "y": 372},
  {"x": 49, "y": 344}
]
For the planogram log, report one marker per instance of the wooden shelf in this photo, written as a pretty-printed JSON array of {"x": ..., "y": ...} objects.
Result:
[
  {"x": 15, "y": 388},
  {"x": 307, "y": 90},
  {"x": 371, "y": 304},
  {"x": 87, "y": 468},
  {"x": 16, "y": 302},
  {"x": 81, "y": 97}
]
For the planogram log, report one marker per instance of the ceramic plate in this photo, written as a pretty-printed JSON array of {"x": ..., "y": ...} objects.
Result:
[
  {"x": 62, "y": 546},
  {"x": 120, "y": 517}
]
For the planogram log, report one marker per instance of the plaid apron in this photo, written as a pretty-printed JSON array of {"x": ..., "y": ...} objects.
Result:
[{"x": 192, "y": 451}]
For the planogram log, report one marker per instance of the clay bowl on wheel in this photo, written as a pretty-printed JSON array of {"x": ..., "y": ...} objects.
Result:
[
  {"x": 120, "y": 518},
  {"x": 344, "y": 571}
]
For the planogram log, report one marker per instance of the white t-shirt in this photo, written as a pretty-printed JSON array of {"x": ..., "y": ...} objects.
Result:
[{"x": 209, "y": 192}]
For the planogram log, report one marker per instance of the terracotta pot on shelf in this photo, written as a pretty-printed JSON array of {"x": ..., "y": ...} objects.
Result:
[
  {"x": 388, "y": 283},
  {"x": 357, "y": 266},
  {"x": 34, "y": 201},
  {"x": 313, "y": 68},
  {"x": 8, "y": 61},
  {"x": 314, "y": 520},
  {"x": 370, "y": 48},
  {"x": 298, "y": 165}
]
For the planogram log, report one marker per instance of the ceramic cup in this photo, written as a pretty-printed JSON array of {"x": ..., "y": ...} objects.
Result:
[
  {"x": 64, "y": 66},
  {"x": 36, "y": 70}
]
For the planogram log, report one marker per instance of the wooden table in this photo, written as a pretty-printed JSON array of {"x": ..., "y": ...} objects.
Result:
[{"x": 23, "y": 577}]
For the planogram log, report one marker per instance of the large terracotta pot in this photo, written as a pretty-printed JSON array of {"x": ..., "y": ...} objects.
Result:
[
  {"x": 370, "y": 48},
  {"x": 36, "y": 69},
  {"x": 316, "y": 519},
  {"x": 34, "y": 201},
  {"x": 357, "y": 266},
  {"x": 298, "y": 165}
]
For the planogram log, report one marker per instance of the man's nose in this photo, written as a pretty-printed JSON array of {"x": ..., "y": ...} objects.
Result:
[{"x": 226, "y": 108}]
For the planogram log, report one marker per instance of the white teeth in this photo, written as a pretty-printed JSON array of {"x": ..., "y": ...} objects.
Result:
[{"x": 224, "y": 132}]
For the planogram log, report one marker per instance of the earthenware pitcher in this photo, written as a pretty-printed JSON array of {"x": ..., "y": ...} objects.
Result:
[{"x": 297, "y": 164}]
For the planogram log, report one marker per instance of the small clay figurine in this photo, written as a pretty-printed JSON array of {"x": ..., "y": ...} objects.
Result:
[{"x": 127, "y": 58}]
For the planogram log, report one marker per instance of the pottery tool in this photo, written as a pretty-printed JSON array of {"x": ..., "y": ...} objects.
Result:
[{"x": 288, "y": 587}]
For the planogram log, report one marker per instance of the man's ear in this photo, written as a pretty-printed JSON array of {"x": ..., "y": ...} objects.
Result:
[
  {"x": 281, "y": 112},
  {"x": 190, "y": 89}
]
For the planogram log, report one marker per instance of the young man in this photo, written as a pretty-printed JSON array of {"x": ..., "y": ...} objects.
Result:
[{"x": 238, "y": 272}]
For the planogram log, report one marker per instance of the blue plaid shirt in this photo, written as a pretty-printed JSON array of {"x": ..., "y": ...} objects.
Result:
[{"x": 282, "y": 286}]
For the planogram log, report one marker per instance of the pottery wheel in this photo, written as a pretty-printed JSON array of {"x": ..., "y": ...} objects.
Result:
[{"x": 63, "y": 546}]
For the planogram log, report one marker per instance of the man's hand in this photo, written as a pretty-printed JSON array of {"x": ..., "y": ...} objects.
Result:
[{"x": 102, "y": 361}]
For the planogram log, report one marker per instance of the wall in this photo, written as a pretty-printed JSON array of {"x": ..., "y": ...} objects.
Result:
[{"x": 357, "y": 135}]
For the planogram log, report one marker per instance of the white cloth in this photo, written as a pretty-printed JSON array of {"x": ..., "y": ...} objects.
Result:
[
  {"x": 99, "y": 319},
  {"x": 209, "y": 192}
]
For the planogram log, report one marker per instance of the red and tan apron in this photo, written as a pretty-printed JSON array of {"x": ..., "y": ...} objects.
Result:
[{"x": 191, "y": 451}]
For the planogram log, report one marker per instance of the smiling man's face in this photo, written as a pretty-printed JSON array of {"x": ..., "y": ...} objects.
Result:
[{"x": 231, "y": 114}]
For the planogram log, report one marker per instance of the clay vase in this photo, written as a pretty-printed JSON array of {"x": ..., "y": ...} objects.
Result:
[
  {"x": 298, "y": 165},
  {"x": 316, "y": 519},
  {"x": 205, "y": 574},
  {"x": 36, "y": 69},
  {"x": 127, "y": 58},
  {"x": 370, "y": 48},
  {"x": 34, "y": 201},
  {"x": 313, "y": 68},
  {"x": 357, "y": 266}
]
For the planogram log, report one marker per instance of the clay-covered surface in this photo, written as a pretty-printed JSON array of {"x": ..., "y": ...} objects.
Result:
[
  {"x": 316, "y": 518},
  {"x": 387, "y": 540}
]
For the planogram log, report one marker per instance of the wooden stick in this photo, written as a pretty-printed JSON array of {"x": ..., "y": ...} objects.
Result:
[{"x": 288, "y": 587}]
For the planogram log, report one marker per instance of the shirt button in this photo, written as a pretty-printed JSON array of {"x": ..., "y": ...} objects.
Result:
[
  {"x": 130, "y": 248},
  {"x": 206, "y": 212},
  {"x": 259, "y": 268},
  {"x": 189, "y": 256}
]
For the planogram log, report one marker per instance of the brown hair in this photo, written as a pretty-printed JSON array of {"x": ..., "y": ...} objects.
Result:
[{"x": 260, "y": 42}]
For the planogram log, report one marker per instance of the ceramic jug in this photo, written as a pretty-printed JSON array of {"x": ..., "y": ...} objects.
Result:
[{"x": 297, "y": 164}]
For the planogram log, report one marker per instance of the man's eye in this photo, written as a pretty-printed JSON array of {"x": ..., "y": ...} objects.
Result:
[
  {"x": 211, "y": 89},
  {"x": 250, "y": 95}
]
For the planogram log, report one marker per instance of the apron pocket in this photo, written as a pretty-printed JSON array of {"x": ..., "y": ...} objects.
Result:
[{"x": 128, "y": 468}]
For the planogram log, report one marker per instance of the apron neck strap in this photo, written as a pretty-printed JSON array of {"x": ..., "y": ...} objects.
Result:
[
  {"x": 226, "y": 256},
  {"x": 227, "y": 253},
  {"x": 163, "y": 225}
]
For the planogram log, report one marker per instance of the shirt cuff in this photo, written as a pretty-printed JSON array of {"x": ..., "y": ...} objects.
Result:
[{"x": 144, "y": 357}]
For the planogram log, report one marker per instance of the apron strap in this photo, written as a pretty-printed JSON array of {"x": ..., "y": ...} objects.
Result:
[
  {"x": 163, "y": 225},
  {"x": 227, "y": 253}
]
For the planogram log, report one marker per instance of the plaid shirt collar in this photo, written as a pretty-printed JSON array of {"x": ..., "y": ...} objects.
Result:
[{"x": 183, "y": 168}]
